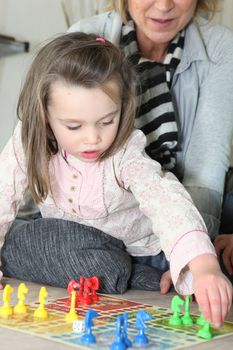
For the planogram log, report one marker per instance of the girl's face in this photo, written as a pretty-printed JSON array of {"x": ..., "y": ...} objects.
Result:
[
  {"x": 160, "y": 20},
  {"x": 84, "y": 120}
]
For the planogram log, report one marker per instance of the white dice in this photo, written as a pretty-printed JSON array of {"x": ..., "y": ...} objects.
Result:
[{"x": 78, "y": 326}]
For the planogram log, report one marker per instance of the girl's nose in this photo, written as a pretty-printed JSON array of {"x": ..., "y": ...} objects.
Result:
[{"x": 91, "y": 136}]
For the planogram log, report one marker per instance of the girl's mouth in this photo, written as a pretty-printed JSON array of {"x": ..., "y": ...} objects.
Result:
[{"x": 90, "y": 154}]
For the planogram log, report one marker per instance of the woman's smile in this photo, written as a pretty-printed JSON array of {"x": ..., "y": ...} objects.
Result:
[{"x": 162, "y": 22}]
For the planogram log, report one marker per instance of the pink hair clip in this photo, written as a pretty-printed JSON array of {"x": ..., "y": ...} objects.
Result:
[{"x": 100, "y": 40}]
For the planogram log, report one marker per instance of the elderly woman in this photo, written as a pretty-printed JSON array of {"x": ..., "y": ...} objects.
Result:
[
  {"x": 185, "y": 88},
  {"x": 185, "y": 69}
]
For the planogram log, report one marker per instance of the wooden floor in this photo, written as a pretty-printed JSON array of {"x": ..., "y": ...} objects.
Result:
[{"x": 10, "y": 339}]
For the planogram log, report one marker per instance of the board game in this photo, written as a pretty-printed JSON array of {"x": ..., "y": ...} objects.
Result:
[{"x": 161, "y": 335}]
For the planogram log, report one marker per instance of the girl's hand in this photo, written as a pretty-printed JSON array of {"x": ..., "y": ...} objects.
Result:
[
  {"x": 213, "y": 291},
  {"x": 213, "y": 294},
  {"x": 165, "y": 282},
  {"x": 224, "y": 243}
]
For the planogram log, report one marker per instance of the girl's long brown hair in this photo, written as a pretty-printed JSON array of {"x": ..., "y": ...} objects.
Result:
[{"x": 76, "y": 59}]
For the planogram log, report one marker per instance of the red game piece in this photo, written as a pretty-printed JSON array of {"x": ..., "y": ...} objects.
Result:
[
  {"x": 87, "y": 297},
  {"x": 91, "y": 285},
  {"x": 81, "y": 287},
  {"x": 95, "y": 287}
]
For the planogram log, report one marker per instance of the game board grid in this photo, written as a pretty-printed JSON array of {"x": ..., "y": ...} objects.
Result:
[
  {"x": 105, "y": 334},
  {"x": 162, "y": 336},
  {"x": 106, "y": 305}
]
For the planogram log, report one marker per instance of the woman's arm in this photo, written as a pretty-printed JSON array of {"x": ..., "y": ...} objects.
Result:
[
  {"x": 224, "y": 245},
  {"x": 1, "y": 286},
  {"x": 207, "y": 157}
]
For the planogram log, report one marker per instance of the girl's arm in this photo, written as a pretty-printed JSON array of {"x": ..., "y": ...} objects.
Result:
[
  {"x": 181, "y": 231},
  {"x": 13, "y": 182},
  {"x": 163, "y": 199}
]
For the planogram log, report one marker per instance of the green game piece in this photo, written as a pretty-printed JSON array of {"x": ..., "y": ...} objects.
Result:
[
  {"x": 205, "y": 332},
  {"x": 175, "y": 320},
  {"x": 187, "y": 319},
  {"x": 200, "y": 321}
]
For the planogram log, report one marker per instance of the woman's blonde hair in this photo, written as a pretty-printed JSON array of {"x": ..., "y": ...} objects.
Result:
[
  {"x": 75, "y": 59},
  {"x": 120, "y": 6}
]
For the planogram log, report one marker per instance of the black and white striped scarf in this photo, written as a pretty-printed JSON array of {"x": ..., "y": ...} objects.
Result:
[{"x": 155, "y": 114}]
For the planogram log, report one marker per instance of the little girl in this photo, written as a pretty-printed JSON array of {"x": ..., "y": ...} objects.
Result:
[{"x": 76, "y": 151}]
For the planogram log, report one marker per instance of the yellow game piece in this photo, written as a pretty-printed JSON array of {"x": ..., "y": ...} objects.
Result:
[
  {"x": 72, "y": 315},
  {"x": 6, "y": 310},
  {"x": 41, "y": 312},
  {"x": 20, "y": 307}
]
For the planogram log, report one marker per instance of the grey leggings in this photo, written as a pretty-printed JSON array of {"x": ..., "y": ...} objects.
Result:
[{"x": 54, "y": 251}]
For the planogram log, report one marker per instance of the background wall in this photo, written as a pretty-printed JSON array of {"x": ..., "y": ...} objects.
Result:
[
  {"x": 226, "y": 16},
  {"x": 26, "y": 20},
  {"x": 36, "y": 21},
  {"x": 33, "y": 21}
]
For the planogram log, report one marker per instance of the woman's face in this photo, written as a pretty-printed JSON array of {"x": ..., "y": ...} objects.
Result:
[{"x": 160, "y": 20}]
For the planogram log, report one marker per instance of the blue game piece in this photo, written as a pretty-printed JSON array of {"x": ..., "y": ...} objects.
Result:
[
  {"x": 141, "y": 339},
  {"x": 88, "y": 337},
  {"x": 126, "y": 339},
  {"x": 118, "y": 344}
]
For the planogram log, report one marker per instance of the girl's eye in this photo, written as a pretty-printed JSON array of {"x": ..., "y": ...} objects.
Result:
[
  {"x": 74, "y": 127},
  {"x": 108, "y": 122}
]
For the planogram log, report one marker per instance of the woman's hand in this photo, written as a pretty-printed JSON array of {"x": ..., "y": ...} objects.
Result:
[
  {"x": 224, "y": 244},
  {"x": 213, "y": 291},
  {"x": 1, "y": 286}
]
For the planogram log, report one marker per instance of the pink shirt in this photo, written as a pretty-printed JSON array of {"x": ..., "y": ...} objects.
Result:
[{"x": 127, "y": 196}]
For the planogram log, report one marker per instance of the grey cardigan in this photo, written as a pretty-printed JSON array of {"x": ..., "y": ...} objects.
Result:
[{"x": 202, "y": 91}]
